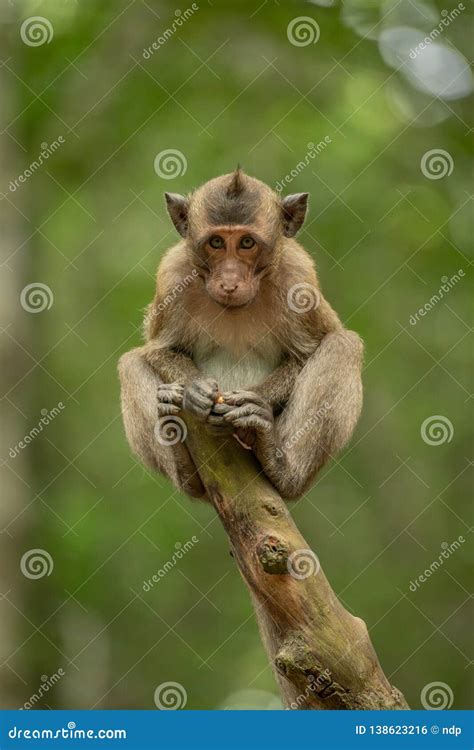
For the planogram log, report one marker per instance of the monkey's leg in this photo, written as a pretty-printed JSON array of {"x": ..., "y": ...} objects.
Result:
[
  {"x": 145, "y": 402},
  {"x": 317, "y": 421}
]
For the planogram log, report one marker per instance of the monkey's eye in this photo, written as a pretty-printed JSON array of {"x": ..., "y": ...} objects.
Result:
[
  {"x": 216, "y": 242},
  {"x": 247, "y": 242}
]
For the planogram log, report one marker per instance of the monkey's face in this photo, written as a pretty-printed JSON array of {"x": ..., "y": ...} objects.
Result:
[{"x": 233, "y": 261}]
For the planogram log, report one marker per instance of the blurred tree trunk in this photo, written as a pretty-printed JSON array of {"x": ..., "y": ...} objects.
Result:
[
  {"x": 322, "y": 655},
  {"x": 14, "y": 490}
]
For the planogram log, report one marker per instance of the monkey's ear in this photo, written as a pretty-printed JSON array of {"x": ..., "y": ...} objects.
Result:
[
  {"x": 177, "y": 206},
  {"x": 294, "y": 210}
]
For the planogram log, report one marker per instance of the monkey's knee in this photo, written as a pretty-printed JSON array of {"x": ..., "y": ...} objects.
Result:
[{"x": 354, "y": 344}]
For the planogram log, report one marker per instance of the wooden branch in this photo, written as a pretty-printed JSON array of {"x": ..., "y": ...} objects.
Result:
[{"x": 322, "y": 655}]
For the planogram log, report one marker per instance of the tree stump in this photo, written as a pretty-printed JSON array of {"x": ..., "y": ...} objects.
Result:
[{"x": 321, "y": 655}]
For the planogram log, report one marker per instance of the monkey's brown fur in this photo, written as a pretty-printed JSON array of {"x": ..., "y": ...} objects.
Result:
[{"x": 226, "y": 319}]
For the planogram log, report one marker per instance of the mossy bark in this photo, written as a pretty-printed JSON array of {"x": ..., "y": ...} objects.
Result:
[{"x": 322, "y": 655}]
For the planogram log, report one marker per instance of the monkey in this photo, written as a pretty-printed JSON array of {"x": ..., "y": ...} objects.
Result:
[{"x": 240, "y": 336}]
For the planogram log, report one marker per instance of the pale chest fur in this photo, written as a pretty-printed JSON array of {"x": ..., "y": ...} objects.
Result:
[
  {"x": 235, "y": 373},
  {"x": 238, "y": 357}
]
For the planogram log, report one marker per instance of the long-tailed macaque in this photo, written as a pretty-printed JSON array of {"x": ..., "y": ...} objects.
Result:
[{"x": 240, "y": 336}]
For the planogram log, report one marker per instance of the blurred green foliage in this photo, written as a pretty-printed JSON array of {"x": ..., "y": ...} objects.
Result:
[{"x": 229, "y": 87}]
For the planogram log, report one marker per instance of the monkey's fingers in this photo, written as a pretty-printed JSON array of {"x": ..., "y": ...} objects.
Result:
[
  {"x": 237, "y": 398},
  {"x": 254, "y": 422},
  {"x": 248, "y": 410},
  {"x": 165, "y": 410},
  {"x": 171, "y": 393},
  {"x": 216, "y": 420},
  {"x": 221, "y": 409},
  {"x": 205, "y": 387}
]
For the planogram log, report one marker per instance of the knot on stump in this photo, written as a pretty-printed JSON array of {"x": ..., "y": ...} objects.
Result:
[
  {"x": 297, "y": 662},
  {"x": 273, "y": 554}
]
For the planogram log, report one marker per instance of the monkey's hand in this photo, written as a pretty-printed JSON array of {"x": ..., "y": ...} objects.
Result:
[
  {"x": 248, "y": 413},
  {"x": 169, "y": 399},
  {"x": 199, "y": 397}
]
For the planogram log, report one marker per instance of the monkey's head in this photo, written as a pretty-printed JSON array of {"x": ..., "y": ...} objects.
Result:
[{"x": 236, "y": 226}]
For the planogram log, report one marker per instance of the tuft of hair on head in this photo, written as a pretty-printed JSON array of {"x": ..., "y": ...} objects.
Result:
[{"x": 236, "y": 185}]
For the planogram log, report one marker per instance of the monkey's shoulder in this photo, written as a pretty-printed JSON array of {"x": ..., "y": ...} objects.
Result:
[
  {"x": 297, "y": 265},
  {"x": 174, "y": 267}
]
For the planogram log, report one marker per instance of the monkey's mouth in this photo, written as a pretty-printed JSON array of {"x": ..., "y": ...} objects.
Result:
[{"x": 231, "y": 302}]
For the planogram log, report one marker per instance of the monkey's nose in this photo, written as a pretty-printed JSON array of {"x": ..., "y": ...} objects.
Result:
[{"x": 229, "y": 286}]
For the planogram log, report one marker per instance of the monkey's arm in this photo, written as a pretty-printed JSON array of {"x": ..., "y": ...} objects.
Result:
[
  {"x": 170, "y": 364},
  {"x": 278, "y": 386},
  {"x": 178, "y": 369},
  {"x": 319, "y": 418},
  {"x": 317, "y": 421}
]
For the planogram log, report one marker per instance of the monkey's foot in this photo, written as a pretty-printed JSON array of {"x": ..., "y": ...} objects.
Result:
[
  {"x": 199, "y": 397},
  {"x": 169, "y": 399}
]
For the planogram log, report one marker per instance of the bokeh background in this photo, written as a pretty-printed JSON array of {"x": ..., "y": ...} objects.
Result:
[{"x": 388, "y": 223}]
